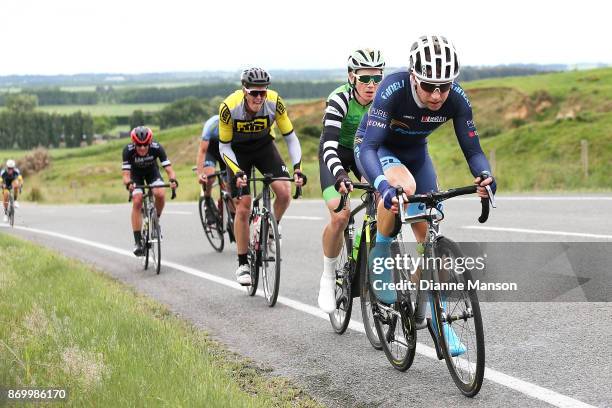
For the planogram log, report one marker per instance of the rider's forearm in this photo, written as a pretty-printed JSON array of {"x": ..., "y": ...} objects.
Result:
[
  {"x": 295, "y": 150},
  {"x": 170, "y": 172},
  {"x": 201, "y": 155},
  {"x": 127, "y": 176},
  {"x": 229, "y": 157}
]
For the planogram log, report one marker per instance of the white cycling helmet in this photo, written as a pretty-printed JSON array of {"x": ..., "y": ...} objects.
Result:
[
  {"x": 434, "y": 59},
  {"x": 365, "y": 58},
  {"x": 10, "y": 164}
]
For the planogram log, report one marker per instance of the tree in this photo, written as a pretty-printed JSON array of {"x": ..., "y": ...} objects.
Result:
[{"x": 21, "y": 103}]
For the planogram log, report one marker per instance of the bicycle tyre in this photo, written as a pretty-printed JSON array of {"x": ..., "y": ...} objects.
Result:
[
  {"x": 254, "y": 255},
  {"x": 214, "y": 233},
  {"x": 11, "y": 210},
  {"x": 345, "y": 271},
  {"x": 270, "y": 276},
  {"x": 156, "y": 244},
  {"x": 388, "y": 323},
  {"x": 366, "y": 306},
  {"x": 464, "y": 362},
  {"x": 145, "y": 239}
]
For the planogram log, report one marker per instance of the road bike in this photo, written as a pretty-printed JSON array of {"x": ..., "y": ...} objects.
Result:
[
  {"x": 456, "y": 323},
  {"x": 218, "y": 218},
  {"x": 150, "y": 229},
  {"x": 264, "y": 251}
]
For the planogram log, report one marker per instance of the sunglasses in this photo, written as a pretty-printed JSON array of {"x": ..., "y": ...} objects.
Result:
[
  {"x": 431, "y": 88},
  {"x": 142, "y": 145},
  {"x": 366, "y": 79},
  {"x": 256, "y": 92}
]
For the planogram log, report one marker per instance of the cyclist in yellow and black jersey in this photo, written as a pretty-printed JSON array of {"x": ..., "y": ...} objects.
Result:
[
  {"x": 245, "y": 140},
  {"x": 10, "y": 177}
]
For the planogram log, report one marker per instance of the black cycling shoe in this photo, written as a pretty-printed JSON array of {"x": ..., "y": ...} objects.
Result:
[{"x": 138, "y": 250}]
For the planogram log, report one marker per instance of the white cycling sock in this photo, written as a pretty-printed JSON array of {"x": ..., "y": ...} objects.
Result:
[{"x": 329, "y": 267}]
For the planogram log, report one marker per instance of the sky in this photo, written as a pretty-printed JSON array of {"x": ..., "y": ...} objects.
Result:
[{"x": 132, "y": 36}]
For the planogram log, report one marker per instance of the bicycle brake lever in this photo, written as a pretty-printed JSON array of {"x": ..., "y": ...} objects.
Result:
[{"x": 491, "y": 196}]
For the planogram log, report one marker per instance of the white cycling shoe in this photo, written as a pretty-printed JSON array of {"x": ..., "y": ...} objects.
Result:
[
  {"x": 327, "y": 293},
  {"x": 243, "y": 275},
  {"x": 16, "y": 204}
]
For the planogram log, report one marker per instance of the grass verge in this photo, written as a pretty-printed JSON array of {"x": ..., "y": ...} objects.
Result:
[{"x": 63, "y": 324}]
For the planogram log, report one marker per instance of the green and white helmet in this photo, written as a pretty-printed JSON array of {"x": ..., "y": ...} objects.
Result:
[{"x": 366, "y": 58}]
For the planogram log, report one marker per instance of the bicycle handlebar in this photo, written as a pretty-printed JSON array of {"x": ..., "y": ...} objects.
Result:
[
  {"x": 433, "y": 198},
  {"x": 268, "y": 179},
  {"x": 344, "y": 197},
  {"x": 145, "y": 186}
]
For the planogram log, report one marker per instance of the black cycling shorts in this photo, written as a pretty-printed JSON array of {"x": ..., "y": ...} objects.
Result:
[{"x": 266, "y": 159}]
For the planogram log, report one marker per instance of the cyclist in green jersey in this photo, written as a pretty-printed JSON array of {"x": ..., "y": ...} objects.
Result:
[{"x": 346, "y": 106}]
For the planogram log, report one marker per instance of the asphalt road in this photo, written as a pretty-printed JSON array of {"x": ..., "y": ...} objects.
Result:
[{"x": 538, "y": 353}]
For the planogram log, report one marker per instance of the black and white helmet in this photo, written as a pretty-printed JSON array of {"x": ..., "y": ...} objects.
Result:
[
  {"x": 365, "y": 58},
  {"x": 255, "y": 76},
  {"x": 434, "y": 59}
]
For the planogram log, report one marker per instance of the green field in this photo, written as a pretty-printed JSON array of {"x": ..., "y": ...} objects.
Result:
[
  {"x": 69, "y": 326},
  {"x": 103, "y": 110},
  {"x": 536, "y": 134}
]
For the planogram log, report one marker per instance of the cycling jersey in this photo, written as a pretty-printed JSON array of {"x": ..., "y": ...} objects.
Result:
[
  {"x": 142, "y": 165},
  {"x": 249, "y": 133},
  {"x": 7, "y": 179},
  {"x": 210, "y": 131},
  {"x": 399, "y": 121},
  {"x": 342, "y": 116}
]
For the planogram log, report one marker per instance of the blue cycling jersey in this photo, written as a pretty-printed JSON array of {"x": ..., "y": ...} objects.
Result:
[
  {"x": 210, "y": 131},
  {"x": 399, "y": 121}
]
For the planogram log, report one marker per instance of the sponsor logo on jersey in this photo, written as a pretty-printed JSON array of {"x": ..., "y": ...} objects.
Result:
[
  {"x": 375, "y": 123},
  {"x": 470, "y": 124},
  {"x": 460, "y": 91},
  {"x": 473, "y": 133},
  {"x": 389, "y": 90},
  {"x": 433, "y": 119},
  {"x": 280, "y": 106},
  {"x": 398, "y": 124},
  {"x": 379, "y": 113},
  {"x": 252, "y": 126},
  {"x": 225, "y": 115},
  {"x": 409, "y": 117}
]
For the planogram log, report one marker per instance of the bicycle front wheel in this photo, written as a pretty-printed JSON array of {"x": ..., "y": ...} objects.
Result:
[
  {"x": 11, "y": 210},
  {"x": 365, "y": 299},
  {"x": 459, "y": 323},
  {"x": 155, "y": 241},
  {"x": 146, "y": 242},
  {"x": 270, "y": 258},
  {"x": 395, "y": 326},
  {"x": 213, "y": 231},
  {"x": 345, "y": 268}
]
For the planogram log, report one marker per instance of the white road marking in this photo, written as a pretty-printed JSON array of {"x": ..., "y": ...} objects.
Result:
[
  {"x": 524, "y": 387},
  {"x": 301, "y": 217},
  {"x": 541, "y": 232}
]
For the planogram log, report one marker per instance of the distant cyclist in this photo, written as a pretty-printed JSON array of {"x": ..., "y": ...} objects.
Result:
[
  {"x": 245, "y": 121},
  {"x": 140, "y": 167},
  {"x": 345, "y": 107},
  {"x": 409, "y": 105},
  {"x": 207, "y": 159},
  {"x": 10, "y": 177}
]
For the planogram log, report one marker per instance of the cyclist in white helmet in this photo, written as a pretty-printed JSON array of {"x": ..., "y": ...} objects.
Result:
[
  {"x": 345, "y": 107},
  {"x": 10, "y": 177},
  {"x": 408, "y": 107}
]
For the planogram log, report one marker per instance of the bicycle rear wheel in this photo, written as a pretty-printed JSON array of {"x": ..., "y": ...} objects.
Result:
[
  {"x": 459, "y": 323},
  {"x": 213, "y": 232},
  {"x": 270, "y": 258},
  {"x": 146, "y": 241},
  {"x": 345, "y": 268}
]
